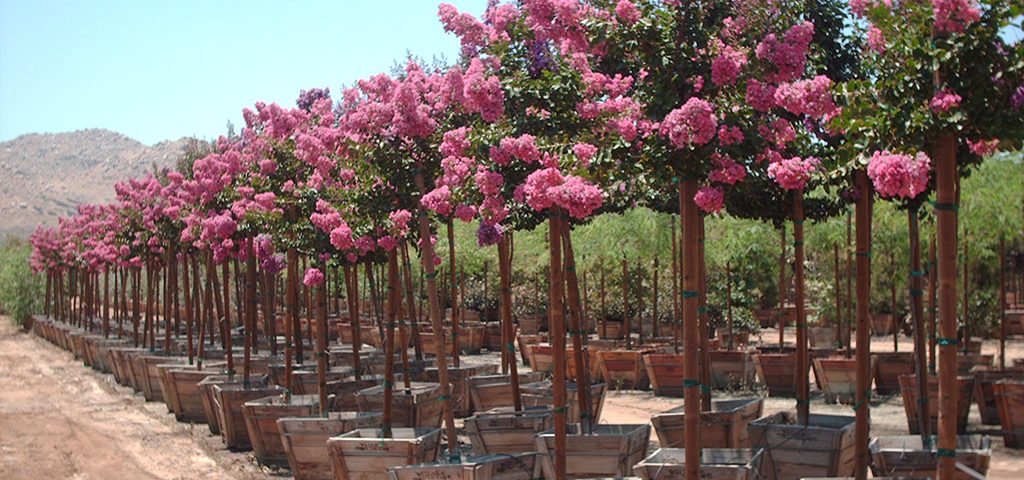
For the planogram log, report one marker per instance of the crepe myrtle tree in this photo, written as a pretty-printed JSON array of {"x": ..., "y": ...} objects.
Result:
[{"x": 944, "y": 83}]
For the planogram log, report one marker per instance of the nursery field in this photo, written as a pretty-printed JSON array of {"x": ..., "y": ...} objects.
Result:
[{"x": 60, "y": 419}]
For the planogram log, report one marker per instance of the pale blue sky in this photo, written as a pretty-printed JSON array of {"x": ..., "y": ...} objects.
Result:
[{"x": 158, "y": 70}]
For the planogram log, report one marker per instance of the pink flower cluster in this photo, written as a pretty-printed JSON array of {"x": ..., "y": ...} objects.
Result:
[
  {"x": 944, "y": 101},
  {"x": 896, "y": 175},
  {"x": 693, "y": 124},
  {"x": 760, "y": 96},
  {"x": 627, "y": 12},
  {"x": 861, "y": 7},
  {"x": 482, "y": 91},
  {"x": 788, "y": 54},
  {"x": 955, "y": 15},
  {"x": 807, "y": 97},
  {"x": 523, "y": 148},
  {"x": 548, "y": 188},
  {"x": 726, "y": 66},
  {"x": 710, "y": 199},
  {"x": 313, "y": 277},
  {"x": 793, "y": 173},
  {"x": 726, "y": 170}
]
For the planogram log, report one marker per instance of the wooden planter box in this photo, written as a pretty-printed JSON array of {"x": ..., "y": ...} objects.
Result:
[
  {"x": 261, "y": 421},
  {"x": 504, "y": 431},
  {"x": 305, "y": 440},
  {"x": 459, "y": 379},
  {"x": 967, "y": 361},
  {"x": 518, "y": 466},
  {"x": 823, "y": 448},
  {"x": 364, "y": 455},
  {"x": 592, "y": 360},
  {"x": 206, "y": 393},
  {"x": 376, "y": 365},
  {"x": 822, "y": 337},
  {"x": 904, "y": 456},
  {"x": 984, "y": 391},
  {"x": 148, "y": 377},
  {"x": 911, "y": 403},
  {"x": 492, "y": 336},
  {"x": 725, "y": 426},
  {"x": 344, "y": 391},
  {"x": 624, "y": 369},
  {"x": 304, "y": 382},
  {"x": 103, "y": 352},
  {"x": 1010, "y": 402},
  {"x": 471, "y": 340},
  {"x": 1015, "y": 322},
  {"x": 98, "y": 354},
  {"x": 540, "y": 394},
  {"x": 542, "y": 358},
  {"x": 181, "y": 390},
  {"x": 609, "y": 451},
  {"x": 526, "y": 342},
  {"x": 417, "y": 407},
  {"x": 666, "y": 373},
  {"x": 887, "y": 369},
  {"x": 487, "y": 392},
  {"x": 344, "y": 356},
  {"x": 740, "y": 339},
  {"x": 532, "y": 324},
  {"x": 228, "y": 401},
  {"x": 882, "y": 324},
  {"x": 778, "y": 372},
  {"x": 731, "y": 369},
  {"x": 837, "y": 377},
  {"x": 715, "y": 464},
  {"x": 121, "y": 366},
  {"x": 612, "y": 330}
]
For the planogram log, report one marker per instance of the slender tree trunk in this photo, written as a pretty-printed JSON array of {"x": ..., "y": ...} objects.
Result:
[
  {"x": 1002, "y": 302},
  {"x": 189, "y": 313},
  {"x": 411, "y": 303},
  {"x": 403, "y": 335},
  {"x": 654, "y": 298},
  {"x": 728, "y": 305},
  {"x": 704, "y": 362},
  {"x": 453, "y": 300},
  {"x": 226, "y": 321},
  {"x": 917, "y": 318},
  {"x": 946, "y": 230},
  {"x": 321, "y": 343},
  {"x": 556, "y": 325},
  {"x": 849, "y": 285},
  {"x": 427, "y": 259},
  {"x": 966, "y": 329},
  {"x": 862, "y": 407},
  {"x": 604, "y": 306},
  {"x": 691, "y": 283},
  {"x": 803, "y": 395},
  {"x": 505, "y": 277},
  {"x": 389, "y": 340},
  {"x": 933, "y": 309},
  {"x": 839, "y": 304},
  {"x": 352, "y": 282},
  {"x": 639, "y": 303},
  {"x": 627, "y": 324},
  {"x": 250, "y": 311},
  {"x": 578, "y": 334},
  {"x": 292, "y": 301}
]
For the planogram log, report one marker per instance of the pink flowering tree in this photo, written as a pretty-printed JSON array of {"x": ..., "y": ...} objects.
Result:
[
  {"x": 945, "y": 89},
  {"x": 554, "y": 152}
]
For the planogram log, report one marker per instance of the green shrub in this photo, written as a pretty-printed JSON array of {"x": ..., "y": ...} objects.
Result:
[{"x": 21, "y": 291}]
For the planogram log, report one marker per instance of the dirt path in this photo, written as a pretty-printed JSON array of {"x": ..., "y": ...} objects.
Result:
[{"x": 60, "y": 419}]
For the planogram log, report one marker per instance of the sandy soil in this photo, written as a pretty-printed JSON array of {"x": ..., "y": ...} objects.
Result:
[{"x": 60, "y": 419}]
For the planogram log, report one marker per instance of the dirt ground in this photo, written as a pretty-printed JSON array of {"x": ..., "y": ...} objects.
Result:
[{"x": 60, "y": 419}]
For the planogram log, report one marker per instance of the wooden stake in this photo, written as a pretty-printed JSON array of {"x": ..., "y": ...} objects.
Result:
[
  {"x": 933, "y": 305},
  {"x": 917, "y": 319},
  {"x": 577, "y": 333},
  {"x": 691, "y": 283},
  {"x": 654, "y": 298},
  {"x": 391, "y": 308},
  {"x": 453, "y": 300},
  {"x": 505, "y": 278},
  {"x": 783, "y": 290},
  {"x": 839, "y": 305},
  {"x": 321, "y": 342},
  {"x": 250, "y": 311},
  {"x": 945, "y": 181},
  {"x": 1002, "y": 302},
  {"x": 862, "y": 408},
  {"x": 626, "y": 323},
  {"x": 556, "y": 325}
]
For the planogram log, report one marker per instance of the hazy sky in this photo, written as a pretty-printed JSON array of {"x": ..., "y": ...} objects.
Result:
[{"x": 158, "y": 70}]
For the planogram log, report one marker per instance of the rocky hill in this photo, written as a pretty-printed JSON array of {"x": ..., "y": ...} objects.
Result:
[{"x": 44, "y": 176}]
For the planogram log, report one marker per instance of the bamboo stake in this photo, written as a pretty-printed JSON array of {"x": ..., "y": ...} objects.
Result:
[
  {"x": 505, "y": 277},
  {"x": 639, "y": 303},
  {"x": 691, "y": 283},
  {"x": 728, "y": 304},
  {"x": 676, "y": 315},
  {"x": 839, "y": 306},
  {"x": 783, "y": 290},
  {"x": 226, "y": 321},
  {"x": 626, "y": 323},
  {"x": 933, "y": 283},
  {"x": 411, "y": 303},
  {"x": 654, "y": 299},
  {"x": 106, "y": 302},
  {"x": 188, "y": 307},
  {"x": 862, "y": 408},
  {"x": 849, "y": 284},
  {"x": 704, "y": 361},
  {"x": 946, "y": 228},
  {"x": 1002, "y": 302},
  {"x": 966, "y": 329},
  {"x": 292, "y": 305},
  {"x": 403, "y": 336},
  {"x": 352, "y": 283},
  {"x": 896, "y": 320},
  {"x": 803, "y": 395},
  {"x": 917, "y": 318},
  {"x": 604, "y": 307}
]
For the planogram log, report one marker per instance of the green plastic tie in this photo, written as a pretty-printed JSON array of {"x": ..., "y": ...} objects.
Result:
[
  {"x": 798, "y": 222},
  {"x": 918, "y": 273},
  {"x": 387, "y": 384},
  {"x": 562, "y": 409},
  {"x": 864, "y": 254},
  {"x": 945, "y": 452},
  {"x": 867, "y": 398},
  {"x": 947, "y": 342},
  {"x": 702, "y": 309},
  {"x": 511, "y": 347},
  {"x": 798, "y": 243},
  {"x": 442, "y": 398},
  {"x": 689, "y": 294},
  {"x": 690, "y": 383},
  {"x": 945, "y": 207},
  {"x": 916, "y": 292},
  {"x": 431, "y": 275}
]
